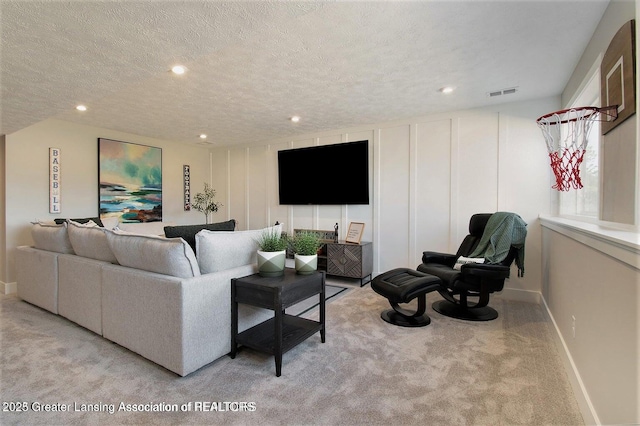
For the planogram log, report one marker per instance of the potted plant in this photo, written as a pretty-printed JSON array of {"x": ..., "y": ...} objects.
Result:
[
  {"x": 272, "y": 245},
  {"x": 305, "y": 245},
  {"x": 204, "y": 202}
]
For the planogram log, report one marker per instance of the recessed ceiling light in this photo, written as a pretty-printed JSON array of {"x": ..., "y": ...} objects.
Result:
[
  {"x": 295, "y": 119},
  {"x": 203, "y": 136},
  {"x": 81, "y": 108},
  {"x": 447, "y": 89},
  {"x": 178, "y": 69}
]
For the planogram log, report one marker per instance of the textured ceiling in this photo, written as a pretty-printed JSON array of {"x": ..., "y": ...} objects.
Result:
[{"x": 252, "y": 65}]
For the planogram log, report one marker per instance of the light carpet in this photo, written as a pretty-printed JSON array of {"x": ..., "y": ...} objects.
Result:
[
  {"x": 331, "y": 292},
  {"x": 503, "y": 372}
]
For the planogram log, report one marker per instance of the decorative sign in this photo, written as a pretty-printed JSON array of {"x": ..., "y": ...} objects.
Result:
[
  {"x": 354, "y": 234},
  {"x": 54, "y": 180},
  {"x": 186, "y": 176}
]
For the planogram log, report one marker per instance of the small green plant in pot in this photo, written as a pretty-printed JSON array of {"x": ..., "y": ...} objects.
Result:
[
  {"x": 305, "y": 245},
  {"x": 272, "y": 245}
]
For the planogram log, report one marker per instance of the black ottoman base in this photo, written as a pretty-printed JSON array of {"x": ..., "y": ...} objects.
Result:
[
  {"x": 452, "y": 310},
  {"x": 393, "y": 317},
  {"x": 402, "y": 285}
]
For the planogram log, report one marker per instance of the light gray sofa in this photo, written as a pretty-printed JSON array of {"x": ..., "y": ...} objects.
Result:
[{"x": 149, "y": 294}]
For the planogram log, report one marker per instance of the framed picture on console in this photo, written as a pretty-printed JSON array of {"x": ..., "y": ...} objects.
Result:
[
  {"x": 130, "y": 181},
  {"x": 354, "y": 234}
]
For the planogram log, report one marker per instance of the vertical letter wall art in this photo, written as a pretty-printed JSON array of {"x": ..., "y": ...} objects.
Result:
[
  {"x": 186, "y": 173},
  {"x": 54, "y": 180}
]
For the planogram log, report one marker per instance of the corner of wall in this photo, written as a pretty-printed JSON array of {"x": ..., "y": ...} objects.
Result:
[
  {"x": 3, "y": 210},
  {"x": 8, "y": 288}
]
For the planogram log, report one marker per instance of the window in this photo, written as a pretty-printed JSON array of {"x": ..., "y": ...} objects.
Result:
[{"x": 585, "y": 202}]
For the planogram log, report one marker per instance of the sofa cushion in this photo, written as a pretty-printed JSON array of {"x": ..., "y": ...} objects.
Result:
[
  {"x": 95, "y": 220},
  {"x": 168, "y": 256},
  {"x": 188, "y": 232},
  {"x": 220, "y": 250},
  {"x": 89, "y": 240},
  {"x": 51, "y": 237}
]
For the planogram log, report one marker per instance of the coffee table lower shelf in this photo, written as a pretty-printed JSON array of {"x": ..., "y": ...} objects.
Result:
[{"x": 294, "y": 331}]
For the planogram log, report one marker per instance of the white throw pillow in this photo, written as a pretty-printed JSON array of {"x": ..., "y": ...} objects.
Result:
[
  {"x": 110, "y": 222},
  {"x": 168, "y": 256},
  {"x": 89, "y": 240},
  {"x": 221, "y": 250},
  {"x": 51, "y": 237},
  {"x": 462, "y": 260}
]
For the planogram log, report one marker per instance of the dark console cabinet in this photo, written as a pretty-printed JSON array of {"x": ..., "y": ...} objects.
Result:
[{"x": 350, "y": 260}]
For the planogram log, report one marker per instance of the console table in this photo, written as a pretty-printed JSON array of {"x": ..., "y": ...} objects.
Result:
[
  {"x": 282, "y": 332},
  {"x": 350, "y": 260},
  {"x": 342, "y": 259}
]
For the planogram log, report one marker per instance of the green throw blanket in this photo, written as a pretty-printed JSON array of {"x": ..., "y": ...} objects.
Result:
[{"x": 503, "y": 230}]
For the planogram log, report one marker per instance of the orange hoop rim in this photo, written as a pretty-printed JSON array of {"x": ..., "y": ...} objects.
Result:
[{"x": 611, "y": 111}]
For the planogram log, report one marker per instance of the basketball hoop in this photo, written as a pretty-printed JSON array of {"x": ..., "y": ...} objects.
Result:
[{"x": 566, "y": 148}]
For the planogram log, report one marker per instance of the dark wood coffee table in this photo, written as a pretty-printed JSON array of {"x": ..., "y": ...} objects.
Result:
[{"x": 282, "y": 332}]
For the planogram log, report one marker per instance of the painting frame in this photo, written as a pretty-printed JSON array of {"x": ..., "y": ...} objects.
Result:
[
  {"x": 129, "y": 181},
  {"x": 354, "y": 234}
]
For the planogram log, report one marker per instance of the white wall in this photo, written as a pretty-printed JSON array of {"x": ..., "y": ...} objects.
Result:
[
  {"x": 428, "y": 176},
  {"x": 596, "y": 279},
  {"x": 3, "y": 234},
  {"x": 27, "y": 177},
  {"x": 618, "y": 12},
  {"x": 595, "y": 283}
]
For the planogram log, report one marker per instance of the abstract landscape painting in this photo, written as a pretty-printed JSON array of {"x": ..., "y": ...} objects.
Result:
[{"x": 130, "y": 177}]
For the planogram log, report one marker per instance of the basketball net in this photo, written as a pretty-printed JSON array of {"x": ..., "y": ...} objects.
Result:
[{"x": 566, "y": 133}]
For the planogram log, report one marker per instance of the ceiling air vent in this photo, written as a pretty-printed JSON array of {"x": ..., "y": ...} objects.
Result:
[{"x": 501, "y": 92}]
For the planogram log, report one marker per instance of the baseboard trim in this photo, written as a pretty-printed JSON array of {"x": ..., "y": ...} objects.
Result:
[
  {"x": 589, "y": 414},
  {"x": 521, "y": 295},
  {"x": 8, "y": 288}
]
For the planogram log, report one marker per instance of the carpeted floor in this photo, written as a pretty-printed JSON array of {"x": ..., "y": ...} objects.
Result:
[
  {"x": 332, "y": 292},
  {"x": 503, "y": 372}
]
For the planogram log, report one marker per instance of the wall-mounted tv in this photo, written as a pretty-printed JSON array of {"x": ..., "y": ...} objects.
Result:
[{"x": 326, "y": 174}]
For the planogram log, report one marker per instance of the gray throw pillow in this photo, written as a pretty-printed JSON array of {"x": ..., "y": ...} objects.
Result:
[
  {"x": 95, "y": 220},
  {"x": 188, "y": 232}
]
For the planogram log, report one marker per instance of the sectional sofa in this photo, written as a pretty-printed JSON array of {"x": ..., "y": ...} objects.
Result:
[{"x": 148, "y": 293}]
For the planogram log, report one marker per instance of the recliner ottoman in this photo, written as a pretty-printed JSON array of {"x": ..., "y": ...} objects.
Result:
[{"x": 402, "y": 285}]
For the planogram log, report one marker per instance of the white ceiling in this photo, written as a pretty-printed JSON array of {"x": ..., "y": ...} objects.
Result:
[{"x": 252, "y": 65}]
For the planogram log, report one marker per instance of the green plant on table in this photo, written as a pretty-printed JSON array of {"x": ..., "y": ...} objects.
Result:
[
  {"x": 272, "y": 240},
  {"x": 305, "y": 243}
]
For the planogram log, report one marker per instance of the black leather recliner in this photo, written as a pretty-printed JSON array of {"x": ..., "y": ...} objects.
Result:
[{"x": 472, "y": 280}]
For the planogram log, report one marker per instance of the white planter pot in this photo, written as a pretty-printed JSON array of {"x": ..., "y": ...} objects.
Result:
[
  {"x": 306, "y": 265},
  {"x": 271, "y": 263}
]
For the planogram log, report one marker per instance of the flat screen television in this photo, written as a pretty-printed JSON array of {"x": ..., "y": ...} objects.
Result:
[{"x": 326, "y": 174}]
